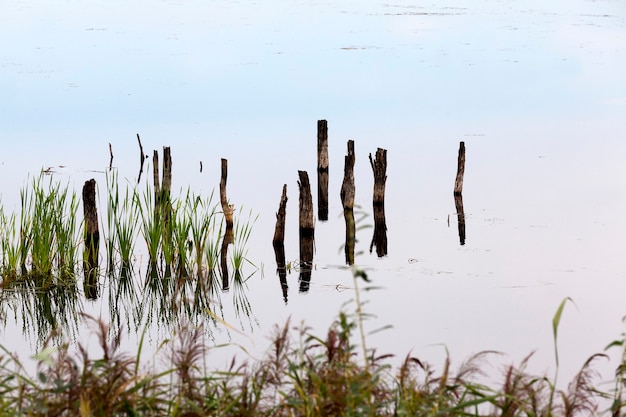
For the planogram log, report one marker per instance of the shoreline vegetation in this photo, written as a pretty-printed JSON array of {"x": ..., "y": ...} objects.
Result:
[{"x": 301, "y": 374}]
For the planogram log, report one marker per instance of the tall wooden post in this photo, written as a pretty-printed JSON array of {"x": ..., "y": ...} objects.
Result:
[
  {"x": 322, "y": 170},
  {"x": 347, "y": 200},
  {"x": 307, "y": 230},
  {"x": 458, "y": 183},
  {"x": 92, "y": 239}
]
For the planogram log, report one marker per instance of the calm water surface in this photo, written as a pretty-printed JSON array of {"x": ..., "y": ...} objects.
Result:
[{"x": 534, "y": 88}]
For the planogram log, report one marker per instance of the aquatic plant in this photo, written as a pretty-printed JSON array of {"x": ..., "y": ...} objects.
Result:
[
  {"x": 43, "y": 247},
  {"x": 122, "y": 216}
]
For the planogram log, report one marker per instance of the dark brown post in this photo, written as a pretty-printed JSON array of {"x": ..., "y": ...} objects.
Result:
[
  {"x": 166, "y": 184},
  {"x": 307, "y": 230},
  {"x": 347, "y": 200},
  {"x": 111, "y": 153},
  {"x": 460, "y": 215},
  {"x": 156, "y": 178},
  {"x": 279, "y": 243},
  {"x": 379, "y": 166},
  {"x": 92, "y": 239},
  {"x": 322, "y": 170},
  {"x": 165, "y": 203},
  {"x": 227, "y": 209},
  {"x": 458, "y": 183}
]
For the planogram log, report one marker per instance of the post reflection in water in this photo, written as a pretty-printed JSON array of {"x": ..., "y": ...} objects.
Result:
[
  {"x": 379, "y": 166},
  {"x": 460, "y": 214},
  {"x": 307, "y": 231},
  {"x": 279, "y": 243}
]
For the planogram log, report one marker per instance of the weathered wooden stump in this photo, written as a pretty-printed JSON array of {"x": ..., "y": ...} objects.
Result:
[
  {"x": 307, "y": 230},
  {"x": 458, "y": 183},
  {"x": 322, "y": 170},
  {"x": 379, "y": 166},
  {"x": 91, "y": 239},
  {"x": 347, "y": 200},
  {"x": 279, "y": 243}
]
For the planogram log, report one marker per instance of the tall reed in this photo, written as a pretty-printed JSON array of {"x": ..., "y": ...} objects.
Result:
[
  {"x": 122, "y": 216},
  {"x": 48, "y": 234}
]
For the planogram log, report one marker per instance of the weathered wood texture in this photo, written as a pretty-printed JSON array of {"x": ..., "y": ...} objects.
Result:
[
  {"x": 348, "y": 192},
  {"x": 91, "y": 239},
  {"x": 460, "y": 171},
  {"x": 156, "y": 179},
  {"x": 460, "y": 215},
  {"x": 92, "y": 233},
  {"x": 347, "y": 187},
  {"x": 379, "y": 166},
  {"x": 322, "y": 170},
  {"x": 279, "y": 243},
  {"x": 307, "y": 230}
]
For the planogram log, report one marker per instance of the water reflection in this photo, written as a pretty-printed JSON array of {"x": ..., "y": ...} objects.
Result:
[
  {"x": 460, "y": 215},
  {"x": 379, "y": 166},
  {"x": 279, "y": 243},
  {"x": 307, "y": 231}
]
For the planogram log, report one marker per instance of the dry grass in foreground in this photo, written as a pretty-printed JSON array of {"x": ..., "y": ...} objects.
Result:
[{"x": 300, "y": 375}]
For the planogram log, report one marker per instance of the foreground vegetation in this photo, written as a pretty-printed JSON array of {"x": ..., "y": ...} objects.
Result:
[{"x": 301, "y": 374}]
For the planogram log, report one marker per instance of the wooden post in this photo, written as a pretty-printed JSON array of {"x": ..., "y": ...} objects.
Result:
[
  {"x": 347, "y": 200},
  {"x": 322, "y": 170},
  {"x": 458, "y": 183},
  {"x": 92, "y": 239},
  {"x": 279, "y": 243},
  {"x": 165, "y": 203},
  {"x": 227, "y": 209},
  {"x": 460, "y": 215},
  {"x": 156, "y": 179},
  {"x": 307, "y": 230},
  {"x": 379, "y": 166}
]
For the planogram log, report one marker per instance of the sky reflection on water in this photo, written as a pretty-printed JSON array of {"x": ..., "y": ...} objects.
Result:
[{"x": 534, "y": 88}]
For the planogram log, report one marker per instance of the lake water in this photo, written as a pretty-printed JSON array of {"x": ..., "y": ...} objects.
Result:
[{"x": 535, "y": 89}]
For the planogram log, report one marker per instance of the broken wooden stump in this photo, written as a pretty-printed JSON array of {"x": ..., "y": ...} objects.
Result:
[
  {"x": 91, "y": 239},
  {"x": 227, "y": 209},
  {"x": 379, "y": 167},
  {"x": 347, "y": 200},
  {"x": 307, "y": 230},
  {"x": 322, "y": 170},
  {"x": 460, "y": 171},
  {"x": 279, "y": 243}
]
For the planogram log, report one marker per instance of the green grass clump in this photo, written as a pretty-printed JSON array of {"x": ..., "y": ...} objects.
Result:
[{"x": 41, "y": 247}]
